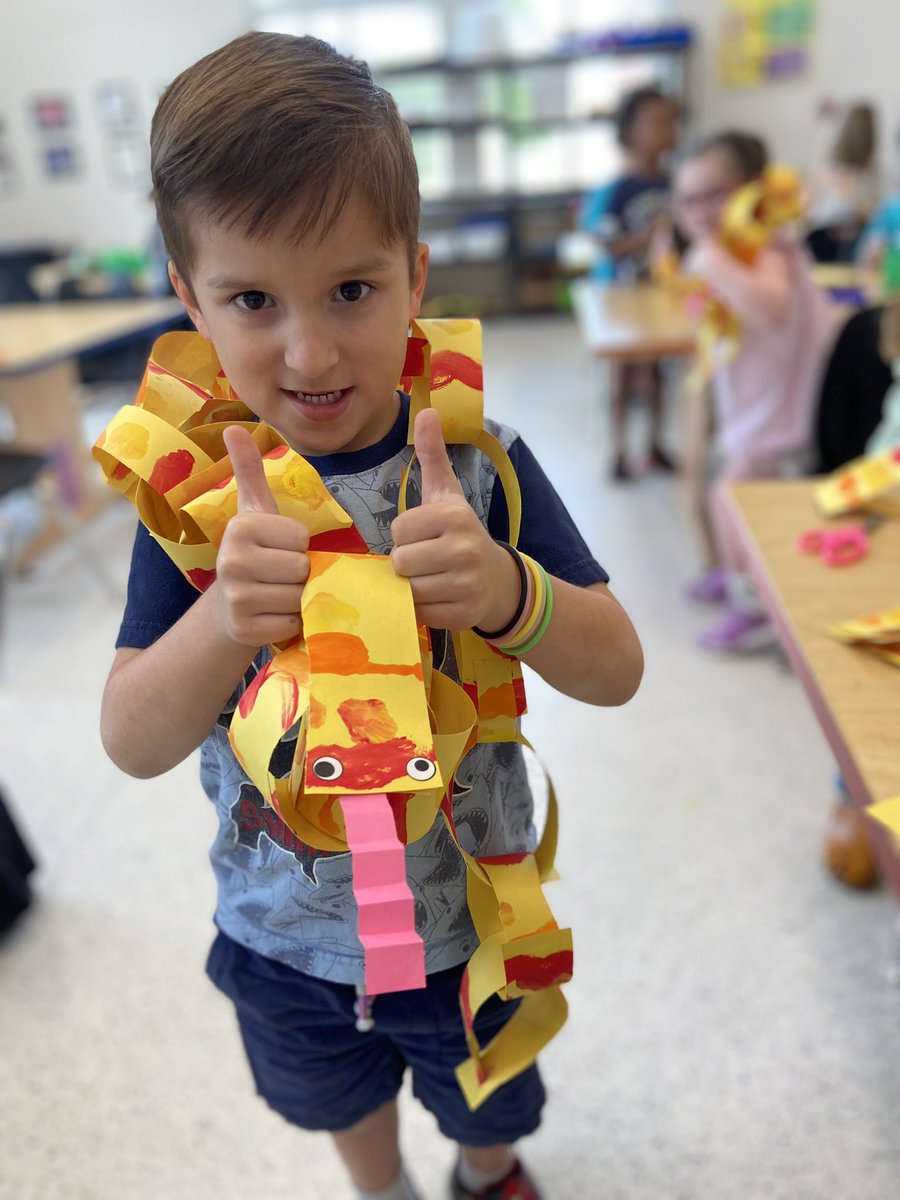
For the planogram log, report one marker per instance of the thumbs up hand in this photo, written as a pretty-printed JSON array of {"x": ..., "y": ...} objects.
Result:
[
  {"x": 262, "y": 564},
  {"x": 460, "y": 577}
]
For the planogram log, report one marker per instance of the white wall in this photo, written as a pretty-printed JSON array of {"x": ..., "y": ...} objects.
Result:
[
  {"x": 854, "y": 57},
  {"x": 70, "y": 47}
]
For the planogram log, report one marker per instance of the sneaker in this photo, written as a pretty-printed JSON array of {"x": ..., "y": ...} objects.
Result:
[
  {"x": 738, "y": 632},
  {"x": 517, "y": 1185},
  {"x": 620, "y": 470},
  {"x": 710, "y": 588},
  {"x": 660, "y": 460}
]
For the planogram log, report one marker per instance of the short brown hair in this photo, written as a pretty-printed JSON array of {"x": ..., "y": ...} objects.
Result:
[
  {"x": 747, "y": 154},
  {"x": 630, "y": 107},
  {"x": 855, "y": 142},
  {"x": 268, "y": 121}
]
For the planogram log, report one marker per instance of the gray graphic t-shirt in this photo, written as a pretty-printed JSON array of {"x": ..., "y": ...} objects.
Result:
[{"x": 279, "y": 896}]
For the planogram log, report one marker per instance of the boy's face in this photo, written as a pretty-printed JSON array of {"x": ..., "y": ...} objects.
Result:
[
  {"x": 702, "y": 187},
  {"x": 653, "y": 131},
  {"x": 311, "y": 334}
]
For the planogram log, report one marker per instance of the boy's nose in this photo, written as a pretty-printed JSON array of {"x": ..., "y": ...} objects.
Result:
[{"x": 310, "y": 354}]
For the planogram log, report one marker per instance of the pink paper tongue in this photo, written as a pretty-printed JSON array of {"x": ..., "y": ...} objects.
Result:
[{"x": 394, "y": 953}]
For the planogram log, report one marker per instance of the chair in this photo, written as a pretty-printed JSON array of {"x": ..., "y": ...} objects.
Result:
[{"x": 49, "y": 476}]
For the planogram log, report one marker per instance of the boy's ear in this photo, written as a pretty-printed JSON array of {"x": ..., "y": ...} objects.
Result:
[
  {"x": 186, "y": 296},
  {"x": 420, "y": 274}
]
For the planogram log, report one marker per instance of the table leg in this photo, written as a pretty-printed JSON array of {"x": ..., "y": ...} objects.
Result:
[
  {"x": 46, "y": 417},
  {"x": 696, "y": 435}
]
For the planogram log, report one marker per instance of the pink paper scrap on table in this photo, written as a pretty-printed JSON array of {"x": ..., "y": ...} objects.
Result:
[{"x": 395, "y": 955}]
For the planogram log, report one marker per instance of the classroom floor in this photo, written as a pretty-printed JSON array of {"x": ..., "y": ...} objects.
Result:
[{"x": 732, "y": 1033}]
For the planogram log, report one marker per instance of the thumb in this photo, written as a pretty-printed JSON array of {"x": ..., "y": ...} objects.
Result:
[
  {"x": 253, "y": 491},
  {"x": 438, "y": 480}
]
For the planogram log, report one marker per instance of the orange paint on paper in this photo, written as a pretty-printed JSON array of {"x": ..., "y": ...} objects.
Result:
[
  {"x": 246, "y": 702},
  {"x": 347, "y": 654},
  {"x": 368, "y": 720},
  {"x": 504, "y": 860},
  {"x": 201, "y": 578},
  {"x": 325, "y": 818},
  {"x": 339, "y": 541},
  {"x": 499, "y": 701},
  {"x": 172, "y": 469},
  {"x": 533, "y": 974},
  {"x": 448, "y": 366},
  {"x": 317, "y": 713}
]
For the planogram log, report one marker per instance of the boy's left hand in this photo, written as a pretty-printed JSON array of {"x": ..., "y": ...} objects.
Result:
[{"x": 460, "y": 577}]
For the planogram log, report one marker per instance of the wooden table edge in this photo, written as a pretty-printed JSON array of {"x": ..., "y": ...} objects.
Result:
[{"x": 888, "y": 861}]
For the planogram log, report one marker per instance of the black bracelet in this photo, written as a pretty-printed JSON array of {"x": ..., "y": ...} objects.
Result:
[{"x": 523, "y": 597}]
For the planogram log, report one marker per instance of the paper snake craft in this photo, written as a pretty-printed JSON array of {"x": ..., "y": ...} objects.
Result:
[{"x": 380, "y": 731}]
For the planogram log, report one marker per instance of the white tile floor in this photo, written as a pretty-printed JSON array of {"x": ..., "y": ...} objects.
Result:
[{"x": 732, "y": 1034}]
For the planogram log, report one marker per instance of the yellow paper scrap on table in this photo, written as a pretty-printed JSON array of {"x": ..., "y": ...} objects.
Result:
[
  {"x": 858, "y": 482},
  {"x": 877, "y": 633},
  {"x": 888, "y": 813}
]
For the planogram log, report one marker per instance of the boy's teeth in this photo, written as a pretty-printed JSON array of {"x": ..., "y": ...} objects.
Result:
[{"x": 320, "y": 397}]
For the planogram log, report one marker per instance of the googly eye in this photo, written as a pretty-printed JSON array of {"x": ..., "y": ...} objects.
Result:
[
  {"x": 421, "y": 768},
  {"x": 327, "y": 769}
]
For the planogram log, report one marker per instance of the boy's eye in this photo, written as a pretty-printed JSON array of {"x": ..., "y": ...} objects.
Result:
[
  {"x": 251, "y": 301},
  {"x": 352, "y": 290}
]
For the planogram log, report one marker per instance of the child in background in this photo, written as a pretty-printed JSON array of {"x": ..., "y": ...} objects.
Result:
[
  {"x": 842, "y": 197},
  {"x": 624, "y": 216},
  {"x": 765, "y": 397},
  {"x": 297, "y": 256}
]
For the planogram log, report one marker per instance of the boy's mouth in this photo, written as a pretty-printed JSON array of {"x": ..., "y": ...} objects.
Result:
[
  {"x": 320, "y": 406},
  {"x": 320, "y": 397}
]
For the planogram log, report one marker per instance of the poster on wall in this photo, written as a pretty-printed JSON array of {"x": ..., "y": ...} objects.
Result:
[
  {"x": 51, "y": 112},
  {"x": 761, "y": 41},
  {"x": 61, "y": 161},
  {"x": 119, "y": 108},
  {"x": 125, "y": 148},
  {"x": 53, "y": 117}
]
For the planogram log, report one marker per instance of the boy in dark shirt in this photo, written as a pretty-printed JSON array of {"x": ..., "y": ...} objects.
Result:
[{"x": 624, "y": 216}]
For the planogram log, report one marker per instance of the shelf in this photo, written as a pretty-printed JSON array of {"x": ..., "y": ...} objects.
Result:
[
  {"x": 480, "y": 202},
  {"x": 468, "y": 67},
  {"x": 519, "y": 126},
  {"x": 503, "y": 244}
]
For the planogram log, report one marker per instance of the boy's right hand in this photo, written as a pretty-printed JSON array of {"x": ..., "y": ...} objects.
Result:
[{"x": 262, "y": 563}]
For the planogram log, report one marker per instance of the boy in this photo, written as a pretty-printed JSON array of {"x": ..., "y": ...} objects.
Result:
[
  {"x": 287, "y": 194},
  {"x": 625, "y": 215}
]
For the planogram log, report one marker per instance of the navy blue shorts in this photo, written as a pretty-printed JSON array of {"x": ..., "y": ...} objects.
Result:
[{"x": 314, "y": 1067}]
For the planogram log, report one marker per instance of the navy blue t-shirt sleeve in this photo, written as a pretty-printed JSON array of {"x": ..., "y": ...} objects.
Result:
[
  {"x": 549, "y": 535},
  {"x": 158, "y": 594}
]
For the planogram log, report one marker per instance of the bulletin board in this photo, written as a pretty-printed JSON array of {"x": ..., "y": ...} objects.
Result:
[{"x": 764, "y": 40}]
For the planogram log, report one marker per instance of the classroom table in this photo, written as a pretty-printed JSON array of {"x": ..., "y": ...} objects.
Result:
[
  {"x": 39, "y": 348},
  {"x": 855, "y": 696},
  {"x": 633, "y": 323},
  {"x": 641, "y": 321}
]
